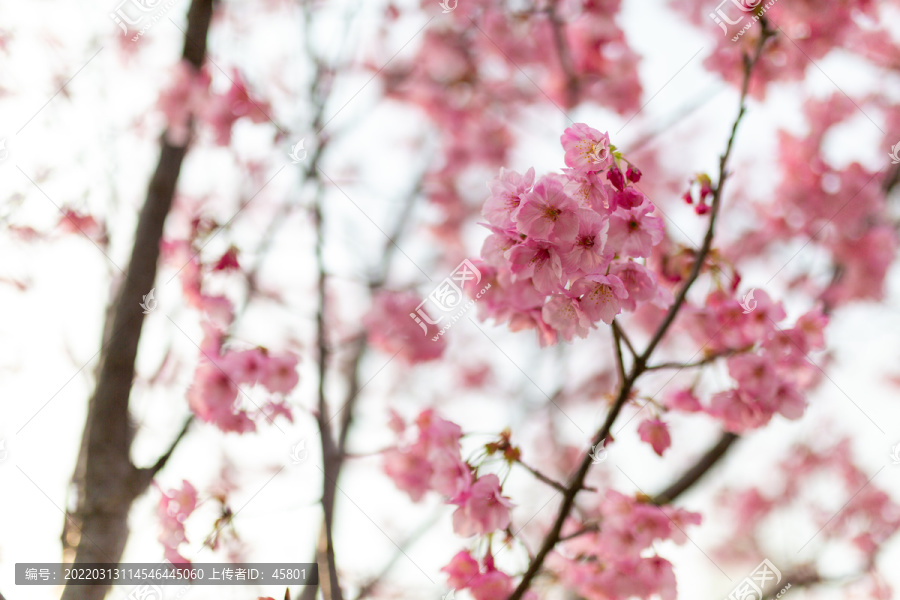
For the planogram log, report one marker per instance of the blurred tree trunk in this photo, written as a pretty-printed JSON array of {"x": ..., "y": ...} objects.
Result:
[{"x": 108, "y": 482}]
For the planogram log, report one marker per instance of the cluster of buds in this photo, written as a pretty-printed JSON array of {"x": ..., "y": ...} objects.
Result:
[{"x": 704, "y": 186}]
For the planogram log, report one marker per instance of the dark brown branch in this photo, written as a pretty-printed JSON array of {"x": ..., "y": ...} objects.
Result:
[
  {"x": 331, "y": 588},
  {"x": 621, "y": 333},
  {"x": 565, "y": 58},
  {"x": 541, "y": 477},
  {"x": 617, "y": 347},
  {"x": 160, "y": 464},
  {"x": 698, "y": 470},
  {"x": 699, "y": 363},
  {"x": 111, "y": 482}
]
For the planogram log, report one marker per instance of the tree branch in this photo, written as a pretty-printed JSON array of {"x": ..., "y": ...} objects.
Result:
[
  {"x": 700, "y": 468},
  {"x": 617, "y": 347},
  {"x": 158, "y": 466},
  {"x": 541, "y": 477},
  {"x": 699, "y": 363}
]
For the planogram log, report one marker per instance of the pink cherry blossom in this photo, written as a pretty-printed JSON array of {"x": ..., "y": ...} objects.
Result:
[
  {"x": 220, "y": 112},
  {"x": 754, "y": 373},
  {"x": 586, "y": 148},
  {"x": 564, "y": 314},
  {"x": 461, "y": 570},
  {"x": 432, "y": 462},
  {"x": 683, "y": 400},
  {"x": 410, "y": 470},
  {"x": 212, "y": 397},
  {"x": 635, "y": 231},
  {"x": 655, "y": 433},
  {"x": 507, "y": 191},
  {"x": 245, "y": 366},
  {"x": 541, "y": 262},
  {"x": 601, "y": 296},
  {"x": 738, "y": 411},
  {"x": 184, "y": 98},
  {"x": 173, "y": 508},
  {"x": 279, "y": 373},
  {"x": 589, "y": 191},
  {"x": 547, "y": 213},
  {"x": 492, "y": 585},
  {"x": 482, "y": 509},
  {"x": 639, "y": 282},
  {"x": 627, "y": 198},
  {"x": 451, "y": 476},
  {"x": 587, "y": 255}
]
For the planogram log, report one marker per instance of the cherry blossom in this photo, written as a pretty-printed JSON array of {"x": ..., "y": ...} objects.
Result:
[
  {"x": 482, "y": 508},
  {"x": 587, "y": 149},
  {"x": 655, "y": 433},
  {"x": 173, "y": 508}
]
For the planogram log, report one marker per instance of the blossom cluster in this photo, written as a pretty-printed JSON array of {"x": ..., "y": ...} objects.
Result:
[
  {"x": 484, "y": 581},
  {"x": 614, "y": 561},
  {"x": 213, "y": 394},
  {"x": 806, "y": 33},
  {"x": 190, "y": 97},
  {"x": 868, "y": 517},
  {"x": 769, "y": 364},
  {"x": 173, "y": 508},
  {"x": 466, "y": 78},
  {"x": 565, "y": 249},
  {"x": 433, "y": 462}
]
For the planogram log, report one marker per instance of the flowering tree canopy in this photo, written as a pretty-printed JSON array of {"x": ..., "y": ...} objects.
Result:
[{"x": 453, "y": 305}]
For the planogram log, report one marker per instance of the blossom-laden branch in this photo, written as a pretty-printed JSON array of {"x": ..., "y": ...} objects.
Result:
[{"x": 552, "y": 538}]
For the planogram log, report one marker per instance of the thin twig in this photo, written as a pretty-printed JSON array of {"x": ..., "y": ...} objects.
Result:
[
  {"x": 621, "y": 333},
  {"x": 151, "y": 472},
  {"x": 551, "y": 482},
  {"x": 593, "y": 528},
  {"x": 699, "y": 363}
]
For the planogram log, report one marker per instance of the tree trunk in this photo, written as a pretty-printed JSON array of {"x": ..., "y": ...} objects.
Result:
[{"x": 110, "y": 481}]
